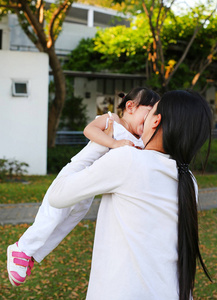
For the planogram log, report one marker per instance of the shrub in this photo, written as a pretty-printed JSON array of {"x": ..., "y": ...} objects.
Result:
[
  {"x": 59, "y": 156},
  {"x": 74, "y": 113},
  {"x": 10, "y": 168},
  {"x": 198, "y": 163}
]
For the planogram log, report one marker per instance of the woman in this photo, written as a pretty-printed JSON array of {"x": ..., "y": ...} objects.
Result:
[{"x": 146, "y": 240}]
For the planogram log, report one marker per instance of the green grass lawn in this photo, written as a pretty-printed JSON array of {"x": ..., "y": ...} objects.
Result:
[
  {"x": 64, "y": 273},
  {"x": 206, "y": 180},
  {"x": 31, "y": 190},
  {"x": 34, "y": 188}
]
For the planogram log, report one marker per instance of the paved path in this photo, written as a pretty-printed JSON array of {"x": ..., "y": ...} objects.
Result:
[{"x": 25, "y": 212}]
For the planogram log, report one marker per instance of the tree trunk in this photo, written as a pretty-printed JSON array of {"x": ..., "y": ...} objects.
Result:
[{"x": 57, "y": 104}]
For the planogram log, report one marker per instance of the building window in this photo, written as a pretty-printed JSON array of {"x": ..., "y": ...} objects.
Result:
[{"x": 20, "y": 88}]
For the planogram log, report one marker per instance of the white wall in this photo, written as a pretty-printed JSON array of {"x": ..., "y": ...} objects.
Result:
[
  {"x": 5, "y": 33},
  {"x": 23, "y": 120},
  {"x": 71, "y": 35},
  {"x": 210, "y": 94},
  {"x": 68, "y": 39}
]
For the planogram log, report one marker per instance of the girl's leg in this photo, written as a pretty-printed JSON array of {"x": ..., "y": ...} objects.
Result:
[
  {"x": 63, "y": 229},
  {"x": 49, "y": 218},
  {"x": 57, "y": 223},
  {"x": 50, "y": 227},
  {"x": 46, "y": 220},
  {"x": 46, "y": 232}
]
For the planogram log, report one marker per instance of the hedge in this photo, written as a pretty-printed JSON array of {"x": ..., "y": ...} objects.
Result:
[{"x": 59, "y": 156}]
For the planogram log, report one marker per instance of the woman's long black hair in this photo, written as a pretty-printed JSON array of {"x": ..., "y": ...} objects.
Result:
[{"x": 186, "y": 124}]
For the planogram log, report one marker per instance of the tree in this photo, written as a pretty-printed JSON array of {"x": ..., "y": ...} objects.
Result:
[
  {"x": 157, "y": 13},
  {"x": 42, "y": 23},
  {"x": 172, "y": 50},
  {"x": 156, "y": 25},
  {"x": 127, "y": 50}
]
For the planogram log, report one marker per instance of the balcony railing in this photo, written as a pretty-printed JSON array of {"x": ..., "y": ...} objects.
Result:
[
  {"x": 70, "y": 138},
  {"x": 77, "y": 137}
]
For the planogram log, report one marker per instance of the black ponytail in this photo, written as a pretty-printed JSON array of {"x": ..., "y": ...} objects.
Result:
[
  {"x": 188, "y": 239},
  {"x": 186, "y": 124}
]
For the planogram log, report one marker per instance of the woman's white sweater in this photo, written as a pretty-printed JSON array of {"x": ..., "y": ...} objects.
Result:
[{"x": 135, "y": 247}]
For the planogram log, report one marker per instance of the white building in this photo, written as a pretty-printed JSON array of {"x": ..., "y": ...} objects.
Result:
[
  {"x": 97, "y": 90},
  {"x": 23, "y": 116},
  {"x": 23, "y": 108},
  {"x": 82, "y": 21}
]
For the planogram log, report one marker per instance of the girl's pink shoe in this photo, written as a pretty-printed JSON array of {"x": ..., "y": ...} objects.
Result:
[{"x": 19, "y": 265}]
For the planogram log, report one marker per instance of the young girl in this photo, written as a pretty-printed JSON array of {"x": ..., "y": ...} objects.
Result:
[{"x": 51, "y": 225}]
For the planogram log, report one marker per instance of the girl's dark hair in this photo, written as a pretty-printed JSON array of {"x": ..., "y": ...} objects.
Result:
[
  {"x": 140, "y": 95},
  {"x": 186, "y": 123}
]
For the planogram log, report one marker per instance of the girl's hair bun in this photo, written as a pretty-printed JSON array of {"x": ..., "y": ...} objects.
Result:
[
  {"x": 121, "y": 95},
  {"x": 139, "y": 95}
]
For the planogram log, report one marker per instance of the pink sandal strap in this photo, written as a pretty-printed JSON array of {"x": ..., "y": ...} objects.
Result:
[
  {"x": 20, "y": 254},
  {"x": 17, "y": 277},
  {"x": 28, "y": 272},
  {"x": 30, "y": 266},
  {"x": 21, "y": 262},
  {"x": 31, "y": 263}
]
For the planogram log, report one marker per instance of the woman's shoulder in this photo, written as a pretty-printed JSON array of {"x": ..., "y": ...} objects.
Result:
[{"x": 126, "y": 154}]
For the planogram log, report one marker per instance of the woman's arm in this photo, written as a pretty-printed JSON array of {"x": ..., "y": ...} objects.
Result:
[
  {"x": 94, "y": 132},
  {"x": 104, "y": 176}
]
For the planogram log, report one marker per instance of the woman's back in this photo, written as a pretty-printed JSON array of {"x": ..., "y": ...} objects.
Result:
[{"x": 136, "y": 234}]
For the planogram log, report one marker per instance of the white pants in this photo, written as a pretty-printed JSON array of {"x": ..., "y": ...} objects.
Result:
[{"x": 51, "y": 224}]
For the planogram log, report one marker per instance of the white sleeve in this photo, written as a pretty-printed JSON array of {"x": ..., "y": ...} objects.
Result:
[
  {"x": 105, "y": 175},
  {"x": 195, "y": 186}
]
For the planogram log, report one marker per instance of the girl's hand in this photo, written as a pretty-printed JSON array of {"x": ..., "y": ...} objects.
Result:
[
  {"x": 115, "y": 143},
  {"x": 109, "y": 129},
  {"x": 121, "y": 143}
]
